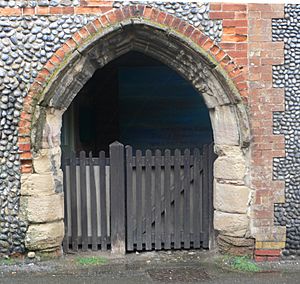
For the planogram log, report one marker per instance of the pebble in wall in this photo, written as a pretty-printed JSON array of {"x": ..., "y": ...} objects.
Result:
[{"x": 288, "y": 123}]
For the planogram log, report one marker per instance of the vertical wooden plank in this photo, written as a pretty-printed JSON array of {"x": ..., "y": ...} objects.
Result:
[
  {"x": 93, "y": 204},
  {"x": 205, "y": 200},
  {"x": 73, "y": 192},
  {"x": 103, "y": 197},
  {"x": 177, "y": 231},
  {"x": 211, "y": 159},
  {"x": 84, "y": 220},
  {"x": 197, "y": 196},
  {"x": 139, "y": 213},
  {"x": 186, "y": 210},
  {"x": 148, "y": 196},
  {"x": 65, "y": 182},
  {"x": 129, "y": 199},
  {"x": 117, "y": 197},
  {"x": 157, "y": 200},
  {"x": 167, "y": 193}
]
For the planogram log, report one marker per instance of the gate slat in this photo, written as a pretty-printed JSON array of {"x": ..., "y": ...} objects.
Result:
[
  {"x": 129, "y": 195},
  {"x": 148, "y": 196},
  {"x": 205, "y": 200},
  {"x": 103, "y": 197},
  {"x": 177, "y": 231},
  {"x": 157, "y": 200},
  {"x": 211, "y": 159},
  {"x": 84, "y": 219},
  {"x": 73, "y": 192},
  {"x": 139, "y": 213},
  {"x": 186, "y": 210},
  {"x": 167, "y": 193},
  {"x": 93, "y": 204},
  {"x": 66, "y": 237},
  {"x": 197, "y": 197}
]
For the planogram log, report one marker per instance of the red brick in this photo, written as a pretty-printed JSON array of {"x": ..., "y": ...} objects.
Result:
[
  {"x": 68, "y": 10},
  {"x": 234, "y": 7},
  {"x": 24, "y": 147},
  {"x": 221, "y": 15},
  {"x": 215, "y": 6},
  {"x": 268, "y": 252}
]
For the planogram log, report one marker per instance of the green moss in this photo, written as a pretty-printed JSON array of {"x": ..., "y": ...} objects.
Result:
[
  {"x": 242, "y": 263},
  {"x": 91, "y": 260},
  {"x": 7, "y": 261}
]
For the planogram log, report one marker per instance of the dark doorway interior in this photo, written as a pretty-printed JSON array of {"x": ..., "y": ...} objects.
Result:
[{"x": 136, "y": 100}]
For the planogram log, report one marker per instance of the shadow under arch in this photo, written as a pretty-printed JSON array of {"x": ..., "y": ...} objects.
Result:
[{"x": 227, "y": 113}]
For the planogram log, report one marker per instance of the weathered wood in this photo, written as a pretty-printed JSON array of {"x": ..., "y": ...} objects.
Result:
[
  {"x": 129, "y": 195},
  {"x": 66, "y": 244},
  {"x": 138, "y": 203},
  {"x": 186, "y": 210},
  {"x": 84, "y": 219},
  {"x": 73, "y": 192},
  {"x": 103, "y": 197},
  {"x": 205, "y": 200},
  {"x": 93, "y": 194},
  {"x": 167, "y": 194},
  {"x": 148, "y": 196},
  {"x": 211, "y": 158},
  {"x": 197, "y": 199},
  {"x": 177, "y": 231},
  {"x": 157, "y": 200},
  {"x": 117, "y": 197}
]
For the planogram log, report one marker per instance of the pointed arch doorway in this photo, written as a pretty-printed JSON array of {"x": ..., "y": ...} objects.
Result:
[
  {"x": 191, "y": 61},
  {"x": 166, "y": 191}
]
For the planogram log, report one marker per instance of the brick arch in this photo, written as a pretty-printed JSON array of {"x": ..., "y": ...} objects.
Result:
[
  {"x": 46, "y": 102},
  {"x": 85, "y": 34}
]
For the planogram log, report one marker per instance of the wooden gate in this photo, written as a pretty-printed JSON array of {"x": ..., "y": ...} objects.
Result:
[{"x": 136, "y": 202}]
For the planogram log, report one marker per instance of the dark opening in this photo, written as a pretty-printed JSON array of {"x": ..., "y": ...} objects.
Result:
[{"x": 138, "y": 101}]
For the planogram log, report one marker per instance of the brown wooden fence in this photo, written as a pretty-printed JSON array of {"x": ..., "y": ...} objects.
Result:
[{"x": 138, "y": 201}]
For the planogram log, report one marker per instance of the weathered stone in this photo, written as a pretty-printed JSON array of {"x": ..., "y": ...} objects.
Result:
[
  {"x": 31, "y": 254},
  {"x": 47, "y": 236},
  {"x": 37, "y": 184},
  {"x": 230, "y": 224},
  {"x": 230, "y": 167},
  {"x": 231, "y": 198},
  {"x": 235, "y": 246},
  {"x": 224, "y": 124},
  {"x": 42, "y": 209},
  {"x": 41, "y": 162}
]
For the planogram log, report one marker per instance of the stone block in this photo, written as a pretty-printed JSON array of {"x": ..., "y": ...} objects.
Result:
[
  {"x": 230, "y": 167},
  {"x": 37, "y": 184},
  {"x": 235, "y": 245},
  {"x": 224, "y": 124},
  {"x": 43, "y": 209},
  {"x": 47, "y": 160},
  {"x": 231, "y": 198},
  {"x": 47, "y": 236},
  {"x": 229, "y": 224}
]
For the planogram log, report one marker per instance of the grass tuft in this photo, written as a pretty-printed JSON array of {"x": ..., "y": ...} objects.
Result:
[
  {"x": 243, "y": 263},
  {"x": 91, "y": 260}
]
